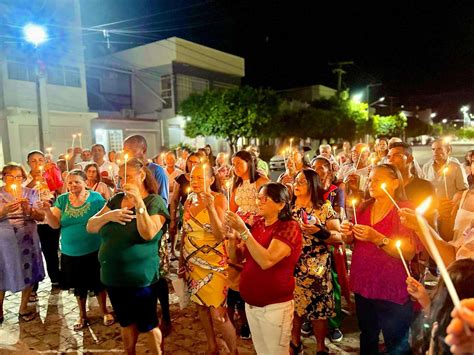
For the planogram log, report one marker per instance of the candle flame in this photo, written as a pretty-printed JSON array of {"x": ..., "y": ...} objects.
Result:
[
  {"x": 73, "y": 136},
  {"x": 149, "y": 161},
  {"x": 291, "y": 140},
  {"x": 119, "y": 161},
  {"x": 188, "y": 190},
  {"x": 229, "y": 184},
  {"x": 384, "y": 186},
  {"x": 354, "y": 201},
  {"x": 445, "y": 170},
  {"x": 13, "y": 186},
  {"x": 447, "y": 140},
  {"x": 49, "y": 149},
  {"x": 125, "y": 157},
  {"x": 79, "y": 134},
  {"x": 398, "y": 244},
  {"x": 423, "y": 207},
  {"x": 67, "y": 156}
]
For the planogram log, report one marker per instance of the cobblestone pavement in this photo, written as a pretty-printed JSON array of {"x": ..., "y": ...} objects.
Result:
[{"x": 51, "y": 331}]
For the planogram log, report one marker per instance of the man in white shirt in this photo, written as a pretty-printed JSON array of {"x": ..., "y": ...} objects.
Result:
[
  {"x": 447, "y": 183},
  {"x": 108, "y": 170}
]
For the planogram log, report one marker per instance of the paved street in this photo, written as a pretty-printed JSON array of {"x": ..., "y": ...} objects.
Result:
[{"x": 52, "y": 331}]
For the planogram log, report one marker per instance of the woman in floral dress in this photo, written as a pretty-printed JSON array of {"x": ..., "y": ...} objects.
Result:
[{"x": 313, "y": 292}]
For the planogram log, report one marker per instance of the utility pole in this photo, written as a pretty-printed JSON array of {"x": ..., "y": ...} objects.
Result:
[{"x": 340, "y": 72}]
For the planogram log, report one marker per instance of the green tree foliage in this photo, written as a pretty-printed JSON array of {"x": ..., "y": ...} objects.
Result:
[
  {"x": 230, "y": 114},
  {"x": 390, "y": 126}
]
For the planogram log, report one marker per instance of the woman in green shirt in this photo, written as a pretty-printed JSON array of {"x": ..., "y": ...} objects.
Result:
[
  {"x": 131, "y": 226},
  {"x": 80, "y": 268}
]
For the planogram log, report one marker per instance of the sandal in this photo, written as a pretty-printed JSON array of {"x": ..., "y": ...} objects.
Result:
[
  {"x": 26, "y": 317},
  {"x": 81, "y": 324},
  {"x": 108, "y": 319},
  {"x": 297, "y": 349},
  {"x": 33, "y": 298}
]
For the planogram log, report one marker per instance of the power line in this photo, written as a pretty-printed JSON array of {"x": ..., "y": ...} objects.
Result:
[{"x": 152, "y": 15}]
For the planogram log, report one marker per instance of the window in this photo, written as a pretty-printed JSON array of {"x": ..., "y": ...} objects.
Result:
[
  {"x": 188, "y": 85},
  {"x": 56, "y": 75},
  {"x": 17, "y": 71},
  {"x": 111, "y": 139},
  {"x": 166, "y": 91},
  {"x": 223, "y": 86},
  {"x": 72, "y": 77},
  {"x": 64, "y": 76}
]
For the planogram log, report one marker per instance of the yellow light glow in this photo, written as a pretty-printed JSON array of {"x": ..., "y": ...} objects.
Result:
[
  {"x": 384, "y": 186},
  {"x": 423, "y": 207},
  {"x": 125, "y": 157},
  {"x": 398, "y": 244},
  {"x": 445, "y": 170}
]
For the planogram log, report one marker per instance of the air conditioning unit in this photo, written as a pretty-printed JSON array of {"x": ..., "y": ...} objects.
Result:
[{"x": 127, "y": 113}]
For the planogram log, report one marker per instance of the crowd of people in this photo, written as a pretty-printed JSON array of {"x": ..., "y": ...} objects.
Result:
[{"x": 260, "y": 259}]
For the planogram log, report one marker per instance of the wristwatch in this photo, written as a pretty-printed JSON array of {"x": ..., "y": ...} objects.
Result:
[
  {"x": 141, "y": 210},
  {"x": 244, "y": 235},
  {"x": 384, "y": 242}
]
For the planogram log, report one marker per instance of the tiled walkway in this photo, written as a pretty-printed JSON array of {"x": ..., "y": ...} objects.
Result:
[{"x": 52, "y": 331}]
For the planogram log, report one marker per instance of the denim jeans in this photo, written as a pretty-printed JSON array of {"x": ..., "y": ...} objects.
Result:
[{"x": 391, "y": 318}]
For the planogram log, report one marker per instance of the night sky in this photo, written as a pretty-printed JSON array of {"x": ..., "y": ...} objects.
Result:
[{"x": 422, "y": 53}]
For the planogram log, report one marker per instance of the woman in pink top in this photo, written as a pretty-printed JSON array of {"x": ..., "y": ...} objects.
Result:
[{"x": 377, "y": 275}]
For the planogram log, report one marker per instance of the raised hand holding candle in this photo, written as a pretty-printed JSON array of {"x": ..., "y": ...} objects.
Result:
[
  {"x": 435, "y": 252},
  {"x": 445, "y": 171},
  {"x": 360, "y": 155},
  {"x": 398, "y": 244},
  {"x": 354, "y": 201},
  {"x": 384, "y": 188}
]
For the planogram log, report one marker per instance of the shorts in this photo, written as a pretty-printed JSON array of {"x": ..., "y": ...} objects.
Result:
[
  {"x": 81, "y": 273},
  {"x": 234, "y": 300},
  {"x": 135, "y": 305}
]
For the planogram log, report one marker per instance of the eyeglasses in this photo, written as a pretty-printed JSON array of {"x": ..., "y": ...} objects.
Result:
[{"x": 20, "y": 177}]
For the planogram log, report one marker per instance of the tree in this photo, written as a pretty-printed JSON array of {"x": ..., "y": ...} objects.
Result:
[
  {"x": 230, "y": 114},
  {"x": 416, "y": 127},
  {"x": 390, "y": 126}
]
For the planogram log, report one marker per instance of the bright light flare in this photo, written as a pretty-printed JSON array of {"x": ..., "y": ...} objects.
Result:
[
  {"x": 35, "y": 34},
  {"x": 423, "y": 207}
]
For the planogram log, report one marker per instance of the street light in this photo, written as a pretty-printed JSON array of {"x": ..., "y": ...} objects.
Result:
[
  {"x": 466, "y": 116},
  {"x": 433, "y": 115},
  {"x": 377, "y": 101},
  {"x": 357, "y": 98},
  {"x": 445, "y": 120},
  {"x": 37, "y": 35}
]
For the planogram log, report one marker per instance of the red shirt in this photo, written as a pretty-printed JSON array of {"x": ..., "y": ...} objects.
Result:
[{"x": 260, "y": 287}]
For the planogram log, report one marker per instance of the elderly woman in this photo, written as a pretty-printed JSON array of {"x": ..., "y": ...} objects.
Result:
[
  {"x": 131, "y": 226},
  {"x": 21, "y": 264},
  {"x": 94, "y": 180},
  {"x": 271, "y": 248},
  {"x": 203, "y": 260},
  {"x": 377, "y": 273},
  {"x": 314, "y": 290},
  {"x": 80, "y": 267}
]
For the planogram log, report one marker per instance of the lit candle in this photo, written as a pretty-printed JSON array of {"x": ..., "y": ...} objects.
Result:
[
  {"x": 384, "y": 188},
  {"x": 360, "y": 155},
  {"x": 445, "y": 171},
  {"x": 291, "y": 144},
  {"x": 334, "y": 150},
  {"x": 80, "y": 139},
  {"x": 125, "y": 158},
  {"x": 15, "y": 191},
  {"x": 354, "y": 201},
  {"x": 229, "y": 186},
  {"x": 73, "y": 140},
  {"x": 67, "y": 162},
  {"x": 205, "y": 175},
  {"x": 435, "y": 252},
  {"x": 49, "y": 149},
  {"x": 398, "y": 244}
]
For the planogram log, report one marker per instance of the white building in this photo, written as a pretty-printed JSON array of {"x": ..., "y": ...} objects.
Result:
[
  {"x": 62, "y": 89},
  {"x": 139, "y": 90}
]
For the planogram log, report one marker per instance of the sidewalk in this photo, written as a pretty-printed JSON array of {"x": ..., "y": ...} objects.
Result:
[{"x": 52, "y": 331}]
